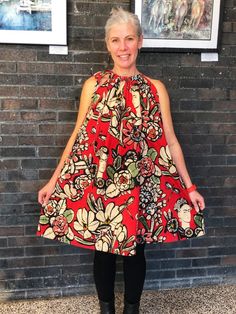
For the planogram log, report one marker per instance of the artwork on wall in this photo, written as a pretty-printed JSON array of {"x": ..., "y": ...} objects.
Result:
[
  {"x": 33, "y": 22},
  {"x": 179, "y": 24}
]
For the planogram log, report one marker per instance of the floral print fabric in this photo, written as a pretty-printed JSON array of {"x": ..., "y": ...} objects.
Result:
[{"x": 119, "y": 185}]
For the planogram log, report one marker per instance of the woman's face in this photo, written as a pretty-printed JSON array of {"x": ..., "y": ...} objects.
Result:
[
  {"x": 184, "y": 213},
  {"x": 123, "y": 44}
]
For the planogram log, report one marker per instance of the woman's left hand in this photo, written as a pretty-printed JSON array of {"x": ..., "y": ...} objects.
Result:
[{"x": 197, "y": 200}]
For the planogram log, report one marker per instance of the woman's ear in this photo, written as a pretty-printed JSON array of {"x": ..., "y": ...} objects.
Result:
[{"x": 107, "y": 45}]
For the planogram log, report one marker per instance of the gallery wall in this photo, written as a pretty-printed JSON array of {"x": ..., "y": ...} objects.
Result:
[{"x": 39, "y": 101}]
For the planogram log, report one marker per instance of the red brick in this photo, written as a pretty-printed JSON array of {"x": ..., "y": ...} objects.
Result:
[
  {"x": 6, "y": 231},
  {"x": 228, "y": 260},
  {"x": 227, "y": 27},
  {"x": 18, "y": 129},
  {"x": 38, "y": 116},
  {"x": 47, "y": 129},
  {"x": 9, "y": 116},
  {"x": 213, "y": 93},
  {"x": 38, "y": 91},
  {"x": 36, "y": 67},
  {"x": 233, "y": 94},
  {"x": 12, "y": 54},
  {"x": 50, "y": 151},
  {"x": 9, "y": 164},
  {"x": 29, "y": 186},
  {"x": 14, "y": 104},
  {"x": 57, "y": 104},
  {"x": 7, "y": 67},
  {"x": 8, "y": 141},
  {"x": 9, "y": 91},
  {"x": 65, "y": 128},
  {"x": 36, "y": 140}
]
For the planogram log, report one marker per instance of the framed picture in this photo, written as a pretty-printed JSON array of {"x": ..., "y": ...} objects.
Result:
[
  {"x": 179, "y": 24},
  {"x": 33, "y": 22}
]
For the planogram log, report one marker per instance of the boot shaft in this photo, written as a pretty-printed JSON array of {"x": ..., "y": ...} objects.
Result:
[{"x": 107, "y": 307}]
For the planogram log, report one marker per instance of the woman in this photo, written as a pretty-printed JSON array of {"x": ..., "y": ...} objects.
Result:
[{"x": 122, "y": 180}]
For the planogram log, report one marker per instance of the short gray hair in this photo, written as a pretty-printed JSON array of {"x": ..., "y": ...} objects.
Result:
[{"x": 119, "y": 15}]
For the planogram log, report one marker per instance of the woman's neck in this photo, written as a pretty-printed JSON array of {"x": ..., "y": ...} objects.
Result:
[{"x": 125, "y": 72}]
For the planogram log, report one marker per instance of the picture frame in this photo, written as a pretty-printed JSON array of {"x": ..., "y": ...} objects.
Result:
[
  {"x": 41, "y": 22},
  {"x": 168, "y": 26}
]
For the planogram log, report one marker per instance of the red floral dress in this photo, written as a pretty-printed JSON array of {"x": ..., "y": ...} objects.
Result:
[{"x": 119, "y": 185}]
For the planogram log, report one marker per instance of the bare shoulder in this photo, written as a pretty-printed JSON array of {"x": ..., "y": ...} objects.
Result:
[
  {"x": 85, "y": 99},
  {"x": 87, "y": 91},
  {"x": 161, "y": 91},
  {"x": 89, "y": 84},
  {"x": 160, "y": 86}
]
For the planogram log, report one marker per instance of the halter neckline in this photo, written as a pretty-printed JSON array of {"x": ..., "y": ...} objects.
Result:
[{"x": 125, "y": 77}]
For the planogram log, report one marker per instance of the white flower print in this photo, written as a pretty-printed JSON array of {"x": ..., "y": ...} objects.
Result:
[
  {"x": 54, "y": 206},
  {"x": 122, "y": 182},
  {"x": 111, "y": 216},
  {"x": 68, "y": 169},
  {"x": 109, "y": 102},
  {"x": 59, "y": 222},
  {"x": 153, "y": 131},
  {"x": 82, "y": 181},
  {"x": 103, "y": 244},
  {"x": 166, "y": 159},
  {"x": 85, "y": 223},
  {"x": 72, "y": 166},
  {"x": 120, "y": 233},
  {"x": 83, "y": 135}
]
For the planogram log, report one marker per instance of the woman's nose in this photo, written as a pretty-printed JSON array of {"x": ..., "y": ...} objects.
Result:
[{"x": 123, "y": 45}]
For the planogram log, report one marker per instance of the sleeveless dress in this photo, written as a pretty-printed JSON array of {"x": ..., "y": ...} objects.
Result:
[{"x": 119, "y": 186}]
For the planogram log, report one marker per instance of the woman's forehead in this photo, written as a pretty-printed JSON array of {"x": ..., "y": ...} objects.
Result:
[
  {"x": 120, "y": 29},
  {"x": 185, "y": 207}
]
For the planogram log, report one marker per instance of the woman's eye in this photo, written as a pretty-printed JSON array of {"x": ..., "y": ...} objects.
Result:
[
  {"x": 114, "y": 40},
  {"x": 130, "y": 38}
]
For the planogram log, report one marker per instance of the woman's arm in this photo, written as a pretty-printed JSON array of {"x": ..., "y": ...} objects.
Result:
[
  {"x": 173, "y": 144},
  {"x": 85, "y": 101}
]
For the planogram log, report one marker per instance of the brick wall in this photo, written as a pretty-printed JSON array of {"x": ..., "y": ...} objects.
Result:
[{"x": 38, "y": 102}]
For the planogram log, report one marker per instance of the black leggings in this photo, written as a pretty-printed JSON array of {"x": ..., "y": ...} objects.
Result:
[{"x": 104, "y": 270}]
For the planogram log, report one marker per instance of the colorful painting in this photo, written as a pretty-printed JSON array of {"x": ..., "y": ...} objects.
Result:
[
  {"x": 26, "y": 15},
  {"x": 179, "y": 23},
  {"x": 33, "y": 21}
]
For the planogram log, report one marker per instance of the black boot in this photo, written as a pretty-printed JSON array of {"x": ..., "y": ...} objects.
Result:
[
  {"x": 107, "y": 307},
  {"x": 131, "y": 308}
]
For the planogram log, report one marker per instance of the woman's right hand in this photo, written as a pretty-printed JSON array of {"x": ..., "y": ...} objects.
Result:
[{"x": 45, "y": 193}]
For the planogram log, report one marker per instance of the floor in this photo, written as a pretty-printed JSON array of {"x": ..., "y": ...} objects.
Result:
[{"x": 211, "y": 300}]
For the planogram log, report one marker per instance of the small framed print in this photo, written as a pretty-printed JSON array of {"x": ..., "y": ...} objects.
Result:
[
  {"x": 179, "y": 24},
  {"x": 33, "y": 22}
]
